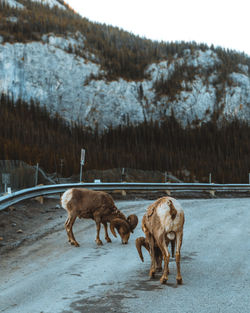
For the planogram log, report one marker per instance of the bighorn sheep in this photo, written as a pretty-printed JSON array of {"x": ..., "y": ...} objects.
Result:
[
  {"x": 100, "y": 207},
  {"x": 162, "y": 224}
]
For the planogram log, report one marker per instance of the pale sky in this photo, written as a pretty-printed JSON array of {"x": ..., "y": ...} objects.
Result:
[{"x": 224, "y": 23}]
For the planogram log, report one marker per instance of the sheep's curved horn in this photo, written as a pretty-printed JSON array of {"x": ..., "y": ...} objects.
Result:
[
  {"x": 118, "y": 222},
  {"x": 139, "y": 242},
  {"x": 133, "y": 221}
]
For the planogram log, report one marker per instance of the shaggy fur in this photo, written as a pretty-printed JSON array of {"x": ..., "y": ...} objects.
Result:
[
  {"x": 100, "y": 207},
  {"x": 162, "y": 224}
]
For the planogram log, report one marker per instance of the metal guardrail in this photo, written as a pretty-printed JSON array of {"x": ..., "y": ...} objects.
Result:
[{"x": 10, "y": 199}]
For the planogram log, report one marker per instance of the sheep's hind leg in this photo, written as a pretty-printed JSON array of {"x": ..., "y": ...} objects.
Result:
[
  {"x": 158, "y": 259},
  {"x": 106, "y": 232},
  {"x": 68, "y": 226},
  {"x": 178, "y": 257},
  {"x": 152, "y": 254},
  {"x": 166, "y": 255}
]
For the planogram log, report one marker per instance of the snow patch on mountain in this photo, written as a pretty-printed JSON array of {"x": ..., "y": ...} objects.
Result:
[
  {"x": 13, "y": 4},
  {"x": 45, "y": 73},
  {"x": 160, "y": 70},
  {"x": 65, "y": 43},
  {"x": 197, "y": 104},
  {"x": 51, "y": 3},
  {"x": 237, "y": 98},
  {"x": 244, "y": 68},
  {"x": 205, "y": 59}
]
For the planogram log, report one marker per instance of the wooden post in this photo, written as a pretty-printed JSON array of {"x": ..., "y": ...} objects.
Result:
[{"x": 168, "y": 192}]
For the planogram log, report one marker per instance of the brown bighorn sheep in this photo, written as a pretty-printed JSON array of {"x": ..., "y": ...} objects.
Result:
[
  {"x": 100, "y": 207},
  {"x": 162, "y": 224}
]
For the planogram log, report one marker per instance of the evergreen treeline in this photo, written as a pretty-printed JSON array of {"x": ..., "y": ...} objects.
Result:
[{"x": 28, "y": 133}]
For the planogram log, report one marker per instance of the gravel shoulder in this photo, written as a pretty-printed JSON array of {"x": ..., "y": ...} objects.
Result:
[{"x": 28, "y": 221}]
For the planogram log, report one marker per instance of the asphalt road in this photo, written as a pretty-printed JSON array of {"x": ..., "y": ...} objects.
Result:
[{"x": 50, "y": 276}]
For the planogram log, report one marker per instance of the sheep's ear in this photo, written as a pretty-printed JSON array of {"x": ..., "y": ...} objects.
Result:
[{"x": 133, "y": 221}]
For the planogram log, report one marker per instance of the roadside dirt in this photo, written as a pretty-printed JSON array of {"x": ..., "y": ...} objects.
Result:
[{"x": 28, "y": 221}]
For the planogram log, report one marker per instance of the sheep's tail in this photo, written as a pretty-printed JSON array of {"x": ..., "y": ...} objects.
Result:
[{"x": 173, "y": 210}]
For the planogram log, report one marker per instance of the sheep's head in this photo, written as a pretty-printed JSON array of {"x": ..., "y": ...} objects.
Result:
[
  {"x": 124, "y": 227},
  {"x": 141, "y": 241}
]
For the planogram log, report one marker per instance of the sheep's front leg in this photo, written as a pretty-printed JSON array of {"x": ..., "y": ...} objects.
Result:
[
  {"x": 68, "y": 226},
  {"x": 98, "y": 227},
  {"x": 178, "y": 257},
  {"x": 106, "y": 232},
  {"x": 97, "y": 220}
]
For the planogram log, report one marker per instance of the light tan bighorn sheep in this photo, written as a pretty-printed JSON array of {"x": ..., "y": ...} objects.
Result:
[
  {"x": 100, "y": 207},
  {"x": 162, "y": 224}
]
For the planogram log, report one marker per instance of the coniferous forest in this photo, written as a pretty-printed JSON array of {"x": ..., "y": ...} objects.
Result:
[{"x": 29, "y": 133}]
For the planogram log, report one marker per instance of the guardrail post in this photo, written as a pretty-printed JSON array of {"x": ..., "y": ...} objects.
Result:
[
  {"x": 211, "y": 192},
  {"x": 121, "y": 191}
]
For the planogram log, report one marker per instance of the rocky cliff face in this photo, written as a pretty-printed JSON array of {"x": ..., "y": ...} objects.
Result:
[{"x": 51, "y": 73}]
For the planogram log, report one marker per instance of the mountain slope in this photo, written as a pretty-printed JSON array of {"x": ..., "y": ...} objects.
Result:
[{"x": 102, "y": 76}]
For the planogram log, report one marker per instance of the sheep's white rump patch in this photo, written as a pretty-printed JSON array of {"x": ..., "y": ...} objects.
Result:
[
  {"x": 66, "y": 197},
  {"x": 163, "y": 211}
]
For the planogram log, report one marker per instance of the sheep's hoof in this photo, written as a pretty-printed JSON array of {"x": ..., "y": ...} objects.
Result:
[
  {"x": 179, "y": 281},
  {"x": 163, "y": 280},
  {"x": 75, "y": 243},
  {"x": 99, "y": 242},
  {"x": 152, "y": 274},
  {"x": 108, "y": 239}
]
